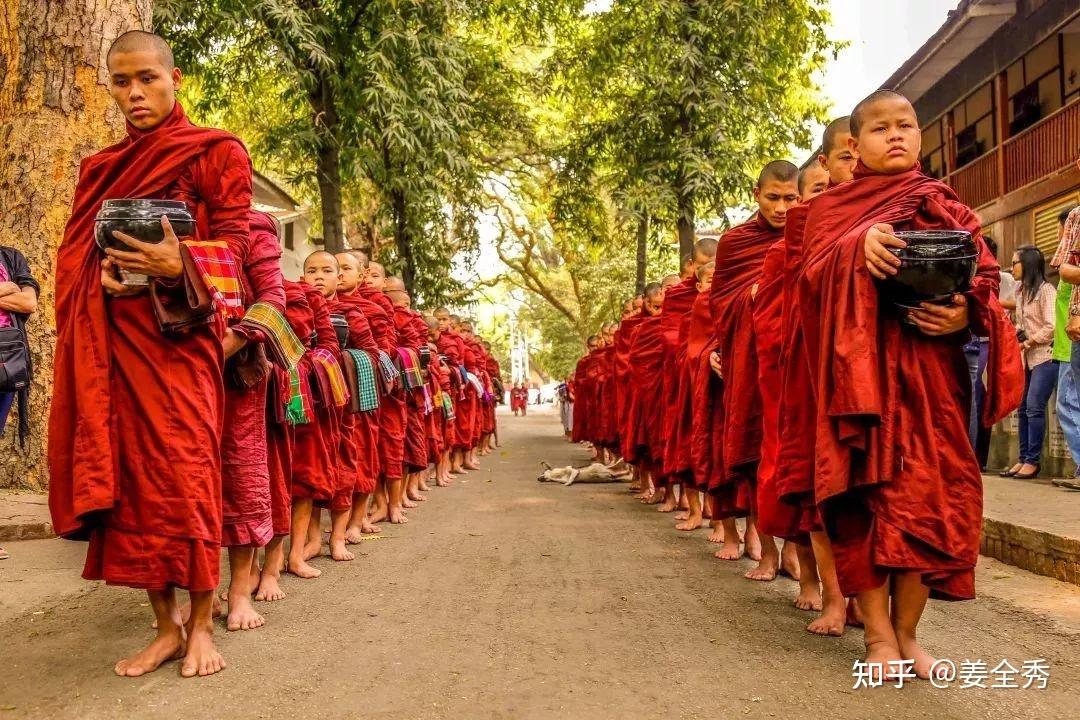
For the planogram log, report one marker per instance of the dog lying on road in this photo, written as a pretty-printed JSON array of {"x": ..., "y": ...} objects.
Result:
[{"x": 595, "y": 473}]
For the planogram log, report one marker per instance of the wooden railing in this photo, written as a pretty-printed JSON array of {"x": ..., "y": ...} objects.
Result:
[
  {"x": 1044, "y": 148},
  {"x": 977, "y": 183}
]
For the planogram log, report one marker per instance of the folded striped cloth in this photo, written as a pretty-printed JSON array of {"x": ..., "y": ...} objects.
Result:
[
  {"x": 282, "y": 342},
  {"x": 330, "y": 373},
  {"x": 427, "y": 406},
  {"x": 218, "y": 270},
  {"x": 298, "y": 407},
  {"x": 367, "y": 388},
  {"x": 475, "y": 382},
  {"x": 410, "y": 368},
  {"x": 388, "y": 369},
  {"x": 448, "y": 406}
]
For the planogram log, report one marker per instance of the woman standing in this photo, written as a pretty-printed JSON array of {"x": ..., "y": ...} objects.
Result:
[
  {"x": 1035, "y": 330},
  {"x": 18, "y": 299}
]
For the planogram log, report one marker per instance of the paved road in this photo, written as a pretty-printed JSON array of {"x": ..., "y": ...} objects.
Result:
[{"x": 505, "y": 598}]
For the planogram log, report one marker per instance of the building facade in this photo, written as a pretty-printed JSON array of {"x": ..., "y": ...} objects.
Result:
[
  {"x": 296, "y": 243},
  {"x": 997, "y": 90}
]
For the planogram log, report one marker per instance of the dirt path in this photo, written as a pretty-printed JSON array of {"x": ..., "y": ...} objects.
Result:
[{"x": 505, "y": 598}]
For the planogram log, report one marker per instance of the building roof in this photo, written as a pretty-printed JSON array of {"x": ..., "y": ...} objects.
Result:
[{"x": 966, "y": 28}]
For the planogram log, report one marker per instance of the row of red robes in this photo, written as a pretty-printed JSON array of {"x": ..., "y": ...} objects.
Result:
[{"x": 819, "y": 418}]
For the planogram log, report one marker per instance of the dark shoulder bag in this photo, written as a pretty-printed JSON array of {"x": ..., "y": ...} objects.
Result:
[{"x": 16, "y": 368}]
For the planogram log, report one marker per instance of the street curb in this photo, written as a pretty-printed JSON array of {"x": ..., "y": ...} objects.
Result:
[
  {"x": 1037, "y": 551},
  {"x": 35, "y": 530}
]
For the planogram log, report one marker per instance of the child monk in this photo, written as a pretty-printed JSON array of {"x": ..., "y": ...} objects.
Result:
[
  {"x": 897, "y": 483},
  {"x": 132, "y": 469},
  {"x": 735, "y": 421},
  {"x": 452, "y": 348},
  {"x": 794, "y": 483},
  {"x": 412, "y": 336},
  {"x": 646, "y": 354},
  {"x": 315, "y": 451}
]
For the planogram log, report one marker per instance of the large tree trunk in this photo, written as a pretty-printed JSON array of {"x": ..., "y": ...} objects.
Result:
[
  {"x": 642, "y": 248},
  {"x": 54, "y": 111},
  {"x": 404, "y": 240},
  {"x": 328, "y": 171}
]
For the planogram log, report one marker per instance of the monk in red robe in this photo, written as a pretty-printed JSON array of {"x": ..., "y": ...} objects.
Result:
[
  {"x": 135, "y": 424},
  {"x": 452, "y": 348},
  {"x": 646, "y": 355},
  {"x": 247, "y": 513},
  {"x": 412, "y": 337},
  {"x": 794, "y": 482},
  {"x": 736, "y": 414},
  {"x": 439, "y": 374},
  {"x": 897, "y": 484}
]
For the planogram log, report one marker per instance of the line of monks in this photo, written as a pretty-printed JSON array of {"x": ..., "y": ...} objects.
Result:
[
  {"x": 220, "y": 405},
  {"x": 770, "y": 380}
]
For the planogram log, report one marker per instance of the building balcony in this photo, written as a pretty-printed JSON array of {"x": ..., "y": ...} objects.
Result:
[{"x": 1045, "y": 148}]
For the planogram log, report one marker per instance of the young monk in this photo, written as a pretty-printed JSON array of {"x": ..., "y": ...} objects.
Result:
[
  {"x": 412, "y": 336},
  {"x": 133, "y": 470},
  {"x": 248, "y": 517},
  {"x": 678, "y": 306},
  {"x": 736, "y": 424},
  {"x": 794, "y": 486},
  {"x": 449, "y": 344},
  {"x": 357, "y": 454},
  {"x": 475, "y": 364},
  {"x": 896, "y": 482},
  {"x": 646, "y": 354}
]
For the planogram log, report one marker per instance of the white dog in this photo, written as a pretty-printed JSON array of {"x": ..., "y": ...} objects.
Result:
[{"x": 595, "y": 473}]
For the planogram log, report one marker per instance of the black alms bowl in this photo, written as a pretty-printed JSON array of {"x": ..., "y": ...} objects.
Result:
[
  {"x": 935, "y": 265},
  {"x": 140, "y": 219}
]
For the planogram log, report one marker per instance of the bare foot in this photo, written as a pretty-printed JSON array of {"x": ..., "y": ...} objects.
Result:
[
  {"x": 829, "y": 622},
  {"x": 668, "y": 505},
  {"x": 353, "y": 534},
  {"x": 808, "y": 599},
  {"x": 242, "y": 615},
  {"x": 202, "y": 657},
  {"x": 789, "y": 565},
  {"x": 269, "y": 588},
  {"x": 422, "y": 487},
  {"x": 185, "y": 611},
  {"x": 717, "y": 534},
  {"x": 643, "y": 494},
  {"x": 753, "y": 546},
  {"x": 379, "y": 515},
  {"x": 301, "y": 569},
  {"x": 681, "y": 515},
  {"x": 416, "y": 497},
  {"x": 689, "y": 524},
  {"x": 655, "y": 499},
  {"x": 408, "y": 504},
  {"x": 471, "y": 466},
  {"x": 764, "y": 572},
  {"x": 368, "y": 529},
  {"x": 312, "y": 548},
  {"x": 166, "y": 646},
  {"x": 457, "y": 471},
  {"x": 339, "y": 552},
  {"x": 910, "y": 649},
  {"x": 397, "y": 517},
  {"x": 728, "y": 551},
  {"x": 881, "y": 657},
  {"x": 854, "y": 615}
]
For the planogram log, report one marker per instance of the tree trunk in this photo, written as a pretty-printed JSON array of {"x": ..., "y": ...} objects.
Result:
[
  {"x": 54, "y": 111},
  {"x": 327, "y": 126},
  {"x": 686, "y": 225},
  {"x": 642, "y": 248},
  {"x": 403, "y": 240}
]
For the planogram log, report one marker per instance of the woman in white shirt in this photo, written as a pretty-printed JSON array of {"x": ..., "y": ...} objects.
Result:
[{"x": 1035, "y": 329}]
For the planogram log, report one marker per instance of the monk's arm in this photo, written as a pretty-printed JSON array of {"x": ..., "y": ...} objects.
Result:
[{"x": 229, "y": 197}]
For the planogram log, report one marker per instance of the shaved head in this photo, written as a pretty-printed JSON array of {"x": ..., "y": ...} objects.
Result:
[
  {"x": 778, "y": 170},
  {"x": 142, "y": 41},
  {"x": 857, "y": 117},
  {"x": 653, "y": 291},
  {"x": 393, "y": 284},
  {"x": 813, "y": 180},
  {"x": 669, "y": 281},
  {"x": 705, "y": 250},
  {"x": 361, "y": 257},
  {"x": 838, "y": 127},
  {"x": 705, "y": 270}
]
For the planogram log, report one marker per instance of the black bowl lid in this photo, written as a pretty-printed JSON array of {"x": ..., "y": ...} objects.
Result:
[
  {"x": 936, "y": 237},
  {"x": 142, "y": 208}
]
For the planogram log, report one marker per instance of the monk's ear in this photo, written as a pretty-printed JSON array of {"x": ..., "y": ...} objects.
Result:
[
  {"x": 823, "y": 161},
  {"x": 177, "y": 79},
  {"x": 757, "y": 194},
  {"x": 853, "y": 145}
]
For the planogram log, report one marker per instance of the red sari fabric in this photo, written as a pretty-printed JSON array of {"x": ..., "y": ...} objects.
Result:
[
  {"x": 135, "y": 424},
  {"x": 737, "y": 423},
  {"x": 245, "y": 479},
  {"x": 896, "y": 481},
  {"x": 675, "y": 318},
  {"x": 315, "y": 449}
]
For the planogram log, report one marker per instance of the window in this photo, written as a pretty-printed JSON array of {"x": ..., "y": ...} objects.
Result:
[
  {"x": 1044, "y": 220},
  {"x": 933, "y": 142},
  {"x": 973, "y": 118},
  {"x": 290, "y": 239},
  {"x": 1035, "y": 84},
  {"x": 1070, "y": 66}
]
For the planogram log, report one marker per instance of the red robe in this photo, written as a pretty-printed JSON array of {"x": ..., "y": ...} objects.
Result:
[
  {"x": 697, "y": 451},
  {"x": 646, "y": 357},
  {"x": 135, "y": 424},
  {"x": 315, "y": 448},
  {"x": 624, "y": 344},
  {"x": 896, "y": 480},
  {"x": 413, "y": 335},
  {"x": 678, "y": 302},
  {"x": 582, "y": 392},
  {"x": 360, "y": 431},
  {"x": 451, "y": 345},
  {"x": 391, "y": 414},
  {"x": 604, "y": 434},
  {"x": 245, "y": 479},
  {"x": 736, "y": 419}
]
